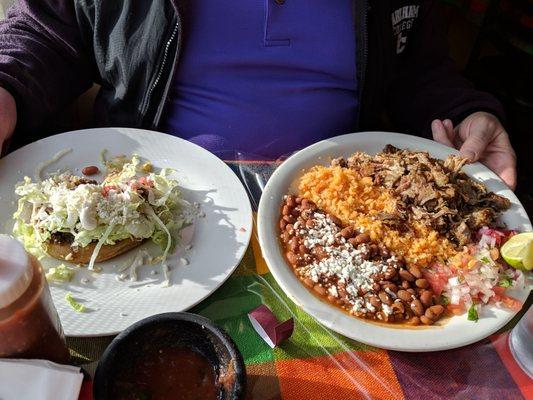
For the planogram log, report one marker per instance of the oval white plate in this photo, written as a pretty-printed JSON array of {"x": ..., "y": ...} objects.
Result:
[
  {"x": 218, "y": 241},
  {"x": 458, "y": 331}
]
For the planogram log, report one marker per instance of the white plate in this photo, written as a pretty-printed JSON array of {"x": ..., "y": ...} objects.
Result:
[
  {"x": 458, "y": 331},
  {"x": 218, "y": 241}
]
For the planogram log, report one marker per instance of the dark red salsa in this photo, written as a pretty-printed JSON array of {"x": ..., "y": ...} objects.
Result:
[{"x": 171, "y": 373}]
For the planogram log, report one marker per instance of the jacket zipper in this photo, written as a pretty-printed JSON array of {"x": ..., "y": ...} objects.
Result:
[
  {"x": 362, "y": 53},
  {"x": 175, "y": 32}
]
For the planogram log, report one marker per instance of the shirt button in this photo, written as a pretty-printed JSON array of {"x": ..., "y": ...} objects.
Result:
[{"x": 280, "y": 2}]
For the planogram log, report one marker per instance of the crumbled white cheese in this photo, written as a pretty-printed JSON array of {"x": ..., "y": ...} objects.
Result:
[{"x": 343, "y": 261}]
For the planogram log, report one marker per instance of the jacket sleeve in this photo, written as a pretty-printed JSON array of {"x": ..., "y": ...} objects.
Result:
[
  {"x": 426, "y": 84},
  {"x": 42, "y": 60}
]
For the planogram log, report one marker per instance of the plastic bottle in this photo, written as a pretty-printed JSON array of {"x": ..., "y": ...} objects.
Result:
[{"x": 29, "y": 324}]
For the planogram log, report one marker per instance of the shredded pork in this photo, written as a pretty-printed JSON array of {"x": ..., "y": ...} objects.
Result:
[{"x": 430, "y": 191}]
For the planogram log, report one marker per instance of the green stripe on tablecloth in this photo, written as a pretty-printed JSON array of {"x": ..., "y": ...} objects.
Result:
[
  {"x": 310, "y": 338},
  {"x": 228, "y": 307}
]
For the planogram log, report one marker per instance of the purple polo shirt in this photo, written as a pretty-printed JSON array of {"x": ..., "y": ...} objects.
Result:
[{"x": 259, "y": 79}]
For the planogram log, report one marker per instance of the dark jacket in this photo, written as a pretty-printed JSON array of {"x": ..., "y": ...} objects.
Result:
[{"x": 51, "y": 51}]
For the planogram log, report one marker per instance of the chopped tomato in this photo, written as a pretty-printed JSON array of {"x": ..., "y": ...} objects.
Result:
[
  {"x": 106, "y": 189},
  {"x": 456, "y": 309},
  {"x": 498, "y": 293},
  {"x": 134, "y": 185},
  {"x": 143, "y": 180},
  {"x": 437, "y": 279},
  {"x": 511, "y": 303}
]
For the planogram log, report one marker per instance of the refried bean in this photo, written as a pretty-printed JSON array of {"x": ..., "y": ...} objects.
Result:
[{"x": 342, "y": 265}]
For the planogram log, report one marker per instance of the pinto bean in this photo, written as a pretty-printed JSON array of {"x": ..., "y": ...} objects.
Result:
[
  {"x": 320, "y": 289},
  {"x": 282, "y": 224},
  {"x": 422, "y": 283},
  {"x": 362, "y": 238},
  {"x": 308, "y": 205},
  {"x": 347, "y": 232},
  {"x": 285, "y": 210},
  {"x": 375, "y": 302},
  {"x": 289, "y": 218},
  {"x": 398, "y": 308},
  {"x": 90, "y": 170},
  {"x": 415, "y": 271},
  {"x": 390, "y": 273},
  {"x": 404, "y": 295},
  {"x": 425, "y": 320},
  {"x": 289, "y": 228},
  {"x": 291, "y": 201},
  {"x": 293, "y": 258},
  {"x": 414, "y": 321},
  {"x": 417, "y": 307},
  {"x": 431, "y": 315},
  {"x": 293, "y": 245},
  {"x": 385, "y": 298},
  {"x": 426, "y": 298},
  {"x": 285, "y": 237},
  {"x": 310, "y": 223},
  {"x": 335, "y": 220},
  {"x": 406, "y": 275},
  {"x": 389, "y": 285},
  {"x": 382, "y": 316},
  {"x": 308, "y": 282},
  {"x": 437, "y": 310},
  {"x": 406, "y": 285},
  {"x": 353, "y": 242}
]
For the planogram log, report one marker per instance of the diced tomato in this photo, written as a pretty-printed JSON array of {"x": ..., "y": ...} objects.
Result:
[
  {"x": 106, "y": 189},
  {"x": 134, "y": 185},
  {"x": 143, "y": 180},
  {"x": 498, "y": 293},
  {"x": 437, "y": 280},
  {"x": 456, "y": 309},
  {"x": 500, "y": 235},
  {"x": 511, "y": 303}
]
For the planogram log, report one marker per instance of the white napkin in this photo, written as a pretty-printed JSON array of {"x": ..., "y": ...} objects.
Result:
[{"x": 38, "y": 379}]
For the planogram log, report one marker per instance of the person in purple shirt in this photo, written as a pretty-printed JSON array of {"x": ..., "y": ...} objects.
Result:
[{"x": 258, "y": 78}]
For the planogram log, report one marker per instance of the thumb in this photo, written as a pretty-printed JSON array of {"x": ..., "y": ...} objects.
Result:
[{"x": 476, "y": 141}]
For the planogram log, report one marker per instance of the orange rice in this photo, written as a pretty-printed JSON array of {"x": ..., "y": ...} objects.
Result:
[{"x": 356, "y": 201}]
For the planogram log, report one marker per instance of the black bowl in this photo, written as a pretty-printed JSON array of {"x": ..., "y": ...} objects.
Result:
[{"x": 171, "y": 329}]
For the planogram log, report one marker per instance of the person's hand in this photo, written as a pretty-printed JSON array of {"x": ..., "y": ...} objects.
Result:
[
  {"x": 8, "y": 117},
  {"x": 480, "y": 137}
]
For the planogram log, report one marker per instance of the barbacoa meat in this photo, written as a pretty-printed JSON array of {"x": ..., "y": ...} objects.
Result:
[{"x": 430, "y": 191}]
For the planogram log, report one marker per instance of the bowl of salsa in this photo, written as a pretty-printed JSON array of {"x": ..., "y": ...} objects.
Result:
[{"x": 171, "y": 356}]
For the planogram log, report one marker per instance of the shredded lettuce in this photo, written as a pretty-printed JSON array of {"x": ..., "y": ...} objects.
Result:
[
  {"x": 99, "y": 245},
  {"x": 132, "y": 202},
  {"x": 78, "y": 307},
  {"x": 61, "y": 273}
]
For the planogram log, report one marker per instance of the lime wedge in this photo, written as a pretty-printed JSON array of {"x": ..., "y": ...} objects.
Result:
[{"x": 518, "y": 251}]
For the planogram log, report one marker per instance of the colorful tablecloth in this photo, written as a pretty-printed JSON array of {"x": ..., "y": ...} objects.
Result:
[{"x": 316, "y": 363}]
